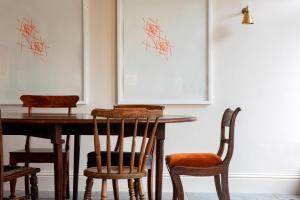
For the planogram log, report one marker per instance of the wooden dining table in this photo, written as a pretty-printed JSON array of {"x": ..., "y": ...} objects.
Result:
[{"x": 53, "y": 125}]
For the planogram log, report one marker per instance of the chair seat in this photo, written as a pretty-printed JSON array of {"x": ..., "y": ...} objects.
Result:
[
  {"x": 36, "y": 150},
  {"x": 114, "y": 174},
  {"x": 12, "y": 172},
  {"x": 193, "y": 160},
  {"x": 115, "y": 159},
  {"x": 35, "y": 155}
]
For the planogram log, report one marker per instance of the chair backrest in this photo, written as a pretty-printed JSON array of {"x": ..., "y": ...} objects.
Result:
[
  {"x": 147, "y": 106},
  {"x": 158, "y": 108},
  {"x": 125, "y": 118},
  {"x": 227, "y": 125},
  {"x": 41, "y": 101}
]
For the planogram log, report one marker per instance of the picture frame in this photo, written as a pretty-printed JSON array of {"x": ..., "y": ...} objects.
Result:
[
  {"x": 42, "y": 53},
  {"x": 164, "y": 50}
]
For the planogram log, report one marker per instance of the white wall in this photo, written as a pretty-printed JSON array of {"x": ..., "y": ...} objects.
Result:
[{"x": 255, "y": 67}]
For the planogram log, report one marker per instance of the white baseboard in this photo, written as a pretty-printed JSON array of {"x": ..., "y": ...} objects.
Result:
[{"x": 238, "y": 182}]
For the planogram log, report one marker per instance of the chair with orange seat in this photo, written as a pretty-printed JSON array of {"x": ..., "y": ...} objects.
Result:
[{"x": 206, "y": 164}]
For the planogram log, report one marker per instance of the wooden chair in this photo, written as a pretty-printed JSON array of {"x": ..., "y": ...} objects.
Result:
[
  {"x": 11, "y": 173},
  {"x": 129, "y": 120},
  {"x": 206, "y": 164},
  {"x": 43, "y": 155},
  {"x": 92, "y": 157}
]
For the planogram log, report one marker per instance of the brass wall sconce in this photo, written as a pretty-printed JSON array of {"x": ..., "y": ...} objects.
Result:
[{"x": 247, "y": 19}]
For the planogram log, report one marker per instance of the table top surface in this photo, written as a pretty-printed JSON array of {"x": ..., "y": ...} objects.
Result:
[{"x": 75, "y": 118}]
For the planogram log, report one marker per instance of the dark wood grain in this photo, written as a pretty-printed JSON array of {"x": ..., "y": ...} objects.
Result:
[
  {"x": 40, "y": 101},
  {"x": 39, "y": 125},
  {"x": 33, "y": 155},
  {"x": 76, "y": 165},
  {"x": 159, "y": 161},
  {"x": 12, "y": 173}
]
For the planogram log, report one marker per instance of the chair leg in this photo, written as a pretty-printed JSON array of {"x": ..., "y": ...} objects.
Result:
[
  {"x": 27, "y": 182},
  {"x": 115, "y": 189},
  {"x": 88, "y": 189},
  {"x": 225, "y": 189},
  {"x": 131, "y": 189},
  {"x": 178, "y": 185},
  {"x": 136, "y": 188},
  {"x": 34, "y": 187},
  {"x": 12, "y": 185},
  {"x": 104, "y": 190},
  {"x": 141, "y": 190},
  {"x": 66, "y": 177},
  {"x": 218, "y": 186},
  {"x": 175, "y": 195},
  {"x": 150, "y": 184},
  {"x": 68, "y": 188}
]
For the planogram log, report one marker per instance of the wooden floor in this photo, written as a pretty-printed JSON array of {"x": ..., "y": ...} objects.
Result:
[{"x": 193, "y": 196}]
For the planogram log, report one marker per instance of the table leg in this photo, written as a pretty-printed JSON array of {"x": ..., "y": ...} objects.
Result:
[
  {"x": 1, "y": 165},
  {"x": 1, "y": 182},
  {"x": 58, "y": 162},
  {"x": 160, "y": 139},
  {"x": 76, "y": 166}
]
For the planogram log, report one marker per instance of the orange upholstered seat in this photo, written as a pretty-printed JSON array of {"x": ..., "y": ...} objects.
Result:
[{"x": 193, "y": 160}]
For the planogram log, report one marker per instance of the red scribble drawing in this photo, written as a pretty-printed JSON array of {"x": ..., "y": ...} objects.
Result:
[
  {"x": 152, "y": 28},
  {"x": 164, "y": 46},
  {"x": 155, "y": 38},
  {"x": 31, "y": 39}
]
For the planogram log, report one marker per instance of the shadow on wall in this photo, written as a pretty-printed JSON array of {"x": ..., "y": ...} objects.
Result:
[
  {"x": 222, "y": 31},
  {"x": 233, "y": 14},
  {"x": 297, "y": 187}
]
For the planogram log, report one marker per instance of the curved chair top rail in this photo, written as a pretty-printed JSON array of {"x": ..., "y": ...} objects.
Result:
[
  {"x": 229, "y": 116},
  {"x": 147, "y": 106},
  {"x": 126, "y": 113},
  {"x": 40, "y": 101},
  {"x": 228, "y": 120}
]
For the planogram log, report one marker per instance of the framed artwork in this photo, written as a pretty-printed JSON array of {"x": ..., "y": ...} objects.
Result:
[
  {"x": 164, "y": 52},
  {"x": 41, "y": 49}
]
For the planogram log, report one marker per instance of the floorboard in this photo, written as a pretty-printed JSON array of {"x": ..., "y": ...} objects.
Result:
[{"x": 188, "y": 196}]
